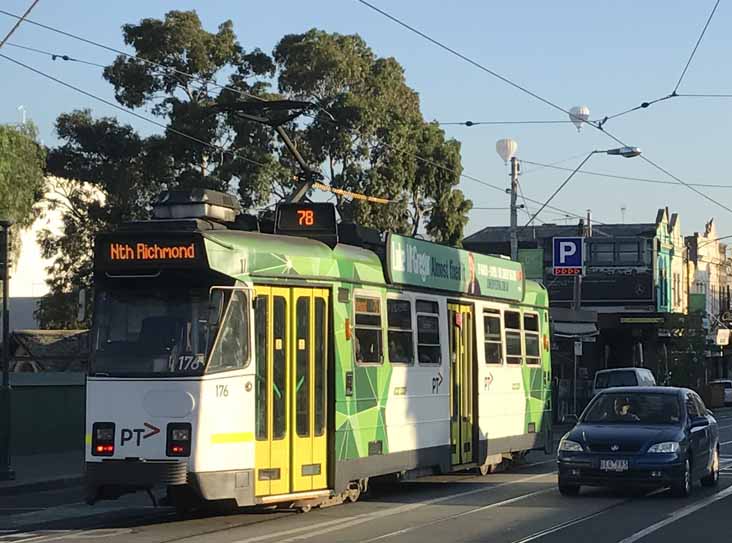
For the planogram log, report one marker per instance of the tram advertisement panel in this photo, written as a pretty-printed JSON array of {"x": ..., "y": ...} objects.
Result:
[
  {"x": 119, "y": 251},
  {"x": 424, "y": 264}
]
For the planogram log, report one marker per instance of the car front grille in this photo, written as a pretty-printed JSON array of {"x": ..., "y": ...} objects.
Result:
[{"x": 614, "y": 447}]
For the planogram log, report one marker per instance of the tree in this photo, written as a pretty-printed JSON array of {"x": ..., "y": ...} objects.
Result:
[
  {"x": 115, "y": 174},
  {"x": 365, "y": 129},
  {"x": 221, "y": 150},
  {"x": 22, "y": 161},
  {"x": 370, "y": 135}
]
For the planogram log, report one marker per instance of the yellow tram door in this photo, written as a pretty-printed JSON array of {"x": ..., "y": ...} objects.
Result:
[
  {"x": 309, "y": 370},
  {"x": 461, "y": 383},
  {"x": 272, "y": 428}
]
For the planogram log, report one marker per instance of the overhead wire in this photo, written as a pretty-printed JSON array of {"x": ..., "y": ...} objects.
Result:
[
  {"x": 130, "y": 112},
  {"x": 538, "y": 97},
  {"x": 55, "y": 56},
  {"x": 20, "y": 20},
  {"x": 193, "y": 77},
  {"x": 696, "y": 46},
  {"x": 624, "y": 177}
]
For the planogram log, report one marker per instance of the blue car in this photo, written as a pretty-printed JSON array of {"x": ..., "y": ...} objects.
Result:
[{"x": 641, "y": 437}]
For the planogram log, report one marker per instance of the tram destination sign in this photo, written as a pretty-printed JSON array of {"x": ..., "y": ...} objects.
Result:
[
  {"x": 420, "y": 263},
  {"x": 115, "y": 251}
]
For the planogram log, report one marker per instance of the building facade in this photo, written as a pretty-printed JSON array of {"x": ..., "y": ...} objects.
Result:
[{"x": 636, "y": 281}]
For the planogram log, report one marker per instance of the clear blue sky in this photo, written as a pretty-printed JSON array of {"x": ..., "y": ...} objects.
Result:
[{"x": 609, "y": 56}]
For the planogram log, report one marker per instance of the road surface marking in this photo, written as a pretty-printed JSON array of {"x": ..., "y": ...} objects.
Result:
[
  {"x": 43, "y": 536},
  {"x": 677, "y": 515},
  {"x": 332, "y": 526},
  {"x": 579, "y": 520},
  {"x": 459, "y": 515},
  {"x": 64, "y": 512}
]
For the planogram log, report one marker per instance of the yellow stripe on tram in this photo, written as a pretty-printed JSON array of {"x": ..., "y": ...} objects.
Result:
[{"x": 235, "y": 437}]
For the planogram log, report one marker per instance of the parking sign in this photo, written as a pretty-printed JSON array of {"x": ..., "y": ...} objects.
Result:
[{"x": 568, "y": 256}]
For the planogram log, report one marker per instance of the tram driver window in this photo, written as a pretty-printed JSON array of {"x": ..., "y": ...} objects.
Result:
[
  {"x": 531, "y": 339},
  {"x": 428, "y": 332},
  {"x": 493, "y": 340},
  {"x": 231, "y": 350},
  {"x": 401, "y": 339},
  {"x": 368, "y": 330},
  {"x": 513, "y": 337}
]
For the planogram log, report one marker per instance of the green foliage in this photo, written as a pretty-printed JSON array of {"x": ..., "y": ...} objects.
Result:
[
  {"x": 366, "y": 131},
  {"x": 22, "y": 161}
]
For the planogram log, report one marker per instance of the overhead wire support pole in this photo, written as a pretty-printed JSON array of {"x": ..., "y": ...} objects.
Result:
[
  {"x": 514, "y": 209},
  {"x": 6, "y": 470}
]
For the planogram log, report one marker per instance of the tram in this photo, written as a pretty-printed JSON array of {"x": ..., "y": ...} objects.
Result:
[{"x": 289, "y": 364}]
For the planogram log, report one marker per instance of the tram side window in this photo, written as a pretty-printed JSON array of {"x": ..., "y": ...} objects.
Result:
[
  {"x": 493, "y": 341},
  {"x": 401, "y": 339},
  {"x": 231, "y": 350},
  {"x": 531, "y": 339},
  {"x": 512, "y": 321},
  {"x": 368, "y": 330},
  {"x": 428, "y": 332}
]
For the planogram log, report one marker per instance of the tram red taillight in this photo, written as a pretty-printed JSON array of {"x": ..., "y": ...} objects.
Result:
[
  {"x": 102, "y": 439},
  {"x": 179, "y": 439}
]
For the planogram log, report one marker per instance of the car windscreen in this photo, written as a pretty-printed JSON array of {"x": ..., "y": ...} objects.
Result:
[
  {"x": 616, "y": 379},
  {"x": 634, "y": 408}
]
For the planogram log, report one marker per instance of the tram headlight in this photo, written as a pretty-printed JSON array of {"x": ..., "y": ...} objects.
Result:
[
  {"x": 102, "y": 439},
  {"x": 181, "y": 434},
  {"x": 179, "y": 439}
]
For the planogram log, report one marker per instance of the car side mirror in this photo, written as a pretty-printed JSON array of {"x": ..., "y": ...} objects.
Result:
[
  {"x": 699, "y": 422},
  {"x": 570, "y": 419}
]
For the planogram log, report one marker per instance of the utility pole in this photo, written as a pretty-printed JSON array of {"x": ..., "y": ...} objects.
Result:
[
  {"x": 514, "y": 208},
  {"x": 6, "y": 471}
]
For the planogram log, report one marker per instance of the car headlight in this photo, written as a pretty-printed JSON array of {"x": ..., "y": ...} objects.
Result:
[
  {"x": 569, "y": 446},
  {"x": 665, "y": 447}
]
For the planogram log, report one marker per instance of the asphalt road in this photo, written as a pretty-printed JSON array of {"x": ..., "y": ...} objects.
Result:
[{"x": 520, "y": 504}]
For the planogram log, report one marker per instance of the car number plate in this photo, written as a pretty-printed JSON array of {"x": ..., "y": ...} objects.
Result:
[{"x": 614, "y": 465}]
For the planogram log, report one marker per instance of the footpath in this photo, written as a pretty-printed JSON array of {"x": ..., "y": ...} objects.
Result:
[{"x": 38, "y": 472}]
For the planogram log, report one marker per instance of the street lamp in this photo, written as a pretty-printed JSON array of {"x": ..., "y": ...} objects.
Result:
[
  {"x": 627, "y": 152},
  {"x": 6, "y": 471},
  {"x": 506, "y": 149}
]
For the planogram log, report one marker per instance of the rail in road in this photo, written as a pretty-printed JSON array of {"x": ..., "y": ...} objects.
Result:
[{"x": 519, "y": 505}]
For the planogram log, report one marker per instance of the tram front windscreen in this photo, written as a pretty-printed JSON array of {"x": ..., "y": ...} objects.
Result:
[{"x": 151, "y": 332}]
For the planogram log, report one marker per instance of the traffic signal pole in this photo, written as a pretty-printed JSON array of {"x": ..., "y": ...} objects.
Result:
[{"x": 6, "y": 470}]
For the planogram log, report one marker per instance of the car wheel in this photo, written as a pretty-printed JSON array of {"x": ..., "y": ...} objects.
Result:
[
  {"x": 713, "y": 477},
  {"x": 568, "y": 490},
  {"x": 682, "y": 487}
]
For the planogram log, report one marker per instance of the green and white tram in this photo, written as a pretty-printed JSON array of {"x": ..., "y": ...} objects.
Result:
[{"x": 290, "y": 367}]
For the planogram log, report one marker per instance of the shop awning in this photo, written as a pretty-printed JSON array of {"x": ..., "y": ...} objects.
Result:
[{"x": 575, "y": 329}]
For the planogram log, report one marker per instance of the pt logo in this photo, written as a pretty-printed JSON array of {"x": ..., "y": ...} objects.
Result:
[
  {"x": 140, "y": 433},
  {"x": 436, "y": 382}
]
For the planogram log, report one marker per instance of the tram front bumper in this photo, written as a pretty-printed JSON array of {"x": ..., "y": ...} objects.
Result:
[{"x": 112, "y": 478}]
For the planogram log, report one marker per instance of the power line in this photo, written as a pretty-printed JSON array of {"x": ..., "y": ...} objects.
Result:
[
  {"x": 55, "y": 56},
  {"x": 18, "y": 22},
  {"x": 131, "y": 112},
  {"x": 706, "y": 95},
  {"x": 534, "y": 95},
  {"x": 494, "y": 123},
  {"x": 701, "y": 36},
  {"x": 463, "y": 57},
  {"x": 626, "y": 178},
  {"x": 201, "y": 80},
  {"x": 559, "y": 188}
]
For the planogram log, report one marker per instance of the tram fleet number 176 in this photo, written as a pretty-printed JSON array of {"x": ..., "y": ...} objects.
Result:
[{"x": 290, "y": 366}]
